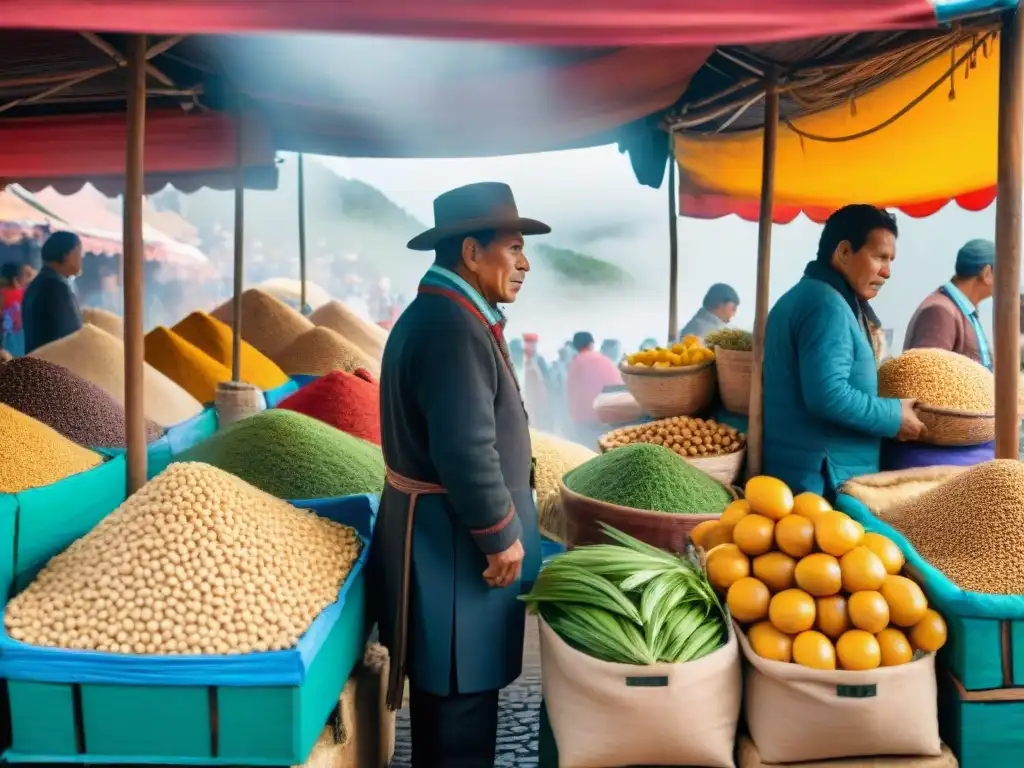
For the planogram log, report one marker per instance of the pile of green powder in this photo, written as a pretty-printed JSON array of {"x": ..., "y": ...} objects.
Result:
[
  {"x": 292, "y": 456},
  {"x": 646, "y": 476}
]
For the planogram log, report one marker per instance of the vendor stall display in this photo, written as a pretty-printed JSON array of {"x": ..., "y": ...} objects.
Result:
[
  {"x": 628, "y": 611},
  {"x": 240, "y": 623},
  {"x": 347, "y": 401},
  {"x": 673, "y": 381},
  {"x": 74, "y": 407},
  {"x": 214, "y": 338},
  {"x": 714, "y": 448},
  {"x": 35, "y": 455},
  {"x": 268, "y": 324},
  {"x": 98, "y": 357},
  {"x": 733, "y": 358},
  {"x": 185, "y": 364},
  {"x": 104, "y": 320},
  {"x": 956, "y": 396},
  {"x": 883, "y": 491},
  {"x": 293, "y": 456},
  {"x": 339, "y": 318},
  {"x": 320, "y": 351}
]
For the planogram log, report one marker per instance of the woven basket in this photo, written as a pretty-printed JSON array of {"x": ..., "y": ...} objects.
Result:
[
  {"x": 581, "y": 518},
  {"x": 948, "y": 427},
  {"x": 725, "y": 468},
  {"x": 734, "y": 378},
  {"x": 664, "y": 392}
]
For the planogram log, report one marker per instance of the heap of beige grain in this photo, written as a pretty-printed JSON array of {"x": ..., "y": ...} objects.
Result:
[
  {"x": 268, "y": 324},
  {"x": 339, "y": 318},
  {"x": 104, "y": 320},
  {"x": 98, "y": 357},
  {"x": 319, "y": 351}
]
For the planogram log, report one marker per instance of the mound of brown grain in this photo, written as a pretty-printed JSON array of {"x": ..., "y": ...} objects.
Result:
[
  {"x": 98, "y": 357},
  {"x": 339, "y": 318},
  {"x": 104, "y": 320},
  {"x": 268, "y": 324},
  {"x": 319, "y": 351}
]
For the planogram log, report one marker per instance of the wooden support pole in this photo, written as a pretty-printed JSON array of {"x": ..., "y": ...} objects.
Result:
[
  {"x": 302, "y": 235},
  {"x": 1008, "y": 236},
  {"x": 673, "y": 242},
  {"x": 236, "y": 301},
  {"x": 133, "y": 261},
  {"x": 755, "y": 430}
]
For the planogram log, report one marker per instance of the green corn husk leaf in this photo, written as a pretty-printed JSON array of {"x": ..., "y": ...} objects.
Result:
[
  {"x": 573, "y": 585},
  {"x": 679, "y": 626},
  {"x": 611, "y": 560},
  {"x": 600, "y": 634},
  {"x": 661, "y": 606},
  {"x": 636, "y": 545},
  {"x": 706, "y": 638}
]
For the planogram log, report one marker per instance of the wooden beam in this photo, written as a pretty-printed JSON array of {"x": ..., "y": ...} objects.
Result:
[
  {"x": 133, "y": 260},
  {"x": 673, "y": 242},
  {"x": 302, "y": 235},
  {"x": 236, "y": 302},
  {"x": 755, "y": 430},
  {"x": 1008, "y": 236}
]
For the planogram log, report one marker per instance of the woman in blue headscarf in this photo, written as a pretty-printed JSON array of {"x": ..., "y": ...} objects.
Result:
[{"x": 823, "y": 418}]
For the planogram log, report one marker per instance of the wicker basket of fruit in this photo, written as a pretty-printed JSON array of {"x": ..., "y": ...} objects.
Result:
[
  {"x": 675, "y": 381},
  {"x": 734, "y": 358}
]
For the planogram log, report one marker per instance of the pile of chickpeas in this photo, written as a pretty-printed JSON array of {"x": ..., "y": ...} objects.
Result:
[{"x": 686, "y": 436}]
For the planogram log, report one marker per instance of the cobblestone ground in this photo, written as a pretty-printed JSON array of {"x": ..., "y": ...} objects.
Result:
[{"x": 518, "y": 719}]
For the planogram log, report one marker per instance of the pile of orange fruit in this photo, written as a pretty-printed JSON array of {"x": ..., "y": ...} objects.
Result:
[{"x": 810, "y": 586}]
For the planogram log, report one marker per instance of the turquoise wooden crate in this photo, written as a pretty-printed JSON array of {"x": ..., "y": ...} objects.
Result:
[
  {"x": 37, "y": 524},
  {"x": 985, "y": 729},
  {"x": 277, "y": 394},
  {"x": 986, "y": 632},
  {"x": 192, "y": 724},
  {"x": 162, "y": 452}
]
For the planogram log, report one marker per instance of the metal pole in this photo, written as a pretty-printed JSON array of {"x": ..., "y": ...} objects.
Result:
[
  {"x": 755, "y": 429},
  {"x": 673, "y": 242},
  {"x": 236, "y": 302},
  {"x": 133, "y": 263},
  {"x": 302, "y": 235},
  {"x": 1006, "y": 297}
]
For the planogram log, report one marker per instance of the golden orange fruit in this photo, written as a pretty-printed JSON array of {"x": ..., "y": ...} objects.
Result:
[
  {"x": 812, "y": 649},
  {"x": 930, "y": 633},
  {"x": 833, "y": 616},
  {"x": 735, "y": 512},
  {"x": 810, "y": 505},
  {"x": 748, "y": 599},
  {"x": 858, "y": 651},
  {"x": 887, "y": 551},
  {"x": 836, "y": 533},
  {"x": 700, "y": 532},
  {"x": 768, "y": 496},
  {"x": 794, "y": 535},
  {"x": 726, "y": 564},
  {"x": 819, "y": 575},
  {"x": 754, "y": 534},
  {"x": 894, "y": 647},
  {"x": 907, "y": 603},
  {"x": 768, "y": 643},
  {"x": 775, "y": 569},
  {"x": 868, "y": 611},
  {"x": 791, "y": 611},
  {"x": 720, "y": 534},
  {"x": 862, "y": 569}
]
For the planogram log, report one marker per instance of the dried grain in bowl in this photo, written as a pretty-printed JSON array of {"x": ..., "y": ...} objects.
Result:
[{"x": 35, "y": 455}]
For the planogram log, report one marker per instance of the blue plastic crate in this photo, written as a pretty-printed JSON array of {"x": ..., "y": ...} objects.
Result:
[
  {"x": 277, "y": 394},
  {"x": 257, "y": 709},
  {"x": 986, "y": 632},
  {"x": 985, "y": 729},
  {"x": 176, "y": 440}
]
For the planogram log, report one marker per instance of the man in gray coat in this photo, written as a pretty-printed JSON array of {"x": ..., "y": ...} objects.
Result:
[{"x": 457, "y": 541}]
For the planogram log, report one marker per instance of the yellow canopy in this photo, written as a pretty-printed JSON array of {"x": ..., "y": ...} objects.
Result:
[{"x": 942, "y": 149}]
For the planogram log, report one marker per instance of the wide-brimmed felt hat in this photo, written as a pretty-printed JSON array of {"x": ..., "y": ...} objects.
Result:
[{"x": 487, "y": 205}]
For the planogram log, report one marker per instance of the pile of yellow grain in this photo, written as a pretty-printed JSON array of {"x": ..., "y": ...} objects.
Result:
[
  {"x": 215, "y": 339},
  {"x": 319, "y": 351},
  {"x": 185, "y": 364},
  {"x": 939, "y": 378},
  {"x": 555, "y": 457},
  {"x": 971, "y": 527},
  {"x": 339, "y": 318},
  {"x": 268, "y": 324},
  {"x": 104, "y": 320},
  {"x": 98, "y": 357},
  {"x": 34, "y": 455}
]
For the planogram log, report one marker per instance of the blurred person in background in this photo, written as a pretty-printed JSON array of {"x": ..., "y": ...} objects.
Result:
[
  {"x": 612, "y": 349},
  {"x": 948, "y": 318},
  {"x": 823, "y": 418},
  {"x": 535, "y": 384},
  {"x": 589, "y": 373},
  {"x": 50, "y": 310},
  {"x": 516, "y": 355},
  {"x": 14, "y": 278},
  {"x": 719, "y": 307},
  {"x": 648, "y": 343}
]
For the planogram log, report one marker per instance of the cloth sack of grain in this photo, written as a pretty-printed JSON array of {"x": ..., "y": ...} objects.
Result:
[
  {"x": 884, "y": 491},
  {"x": 555, "y": 457},
  {"x": 747, "y": 756},
  {"x": 617, "y": 408},
  {"x": 796, "y": 714},
  {"x": 369, "y": 725},
  {"x": 237, "y": 400},
  {"x": 605, "y": 715}
]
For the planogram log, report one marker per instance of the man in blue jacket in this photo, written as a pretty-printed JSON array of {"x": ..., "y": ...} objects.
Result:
[
  {"x": 823, "y": 418},
  {"x": 50, "y": 310}
]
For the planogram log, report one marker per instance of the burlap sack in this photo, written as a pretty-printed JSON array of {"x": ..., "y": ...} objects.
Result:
[
  {"x": 884, "y": 491},
  {"x": 795, "y": 714},
  {"x": 607, "y": 715},
  {"x": 747, "y": 756}
]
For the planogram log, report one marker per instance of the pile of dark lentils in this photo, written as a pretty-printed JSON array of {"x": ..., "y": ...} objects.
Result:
[{"x": 76, "y": 408}]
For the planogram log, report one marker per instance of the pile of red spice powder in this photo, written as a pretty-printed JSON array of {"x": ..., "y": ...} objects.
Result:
[{"x": 347, "y": 401}]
